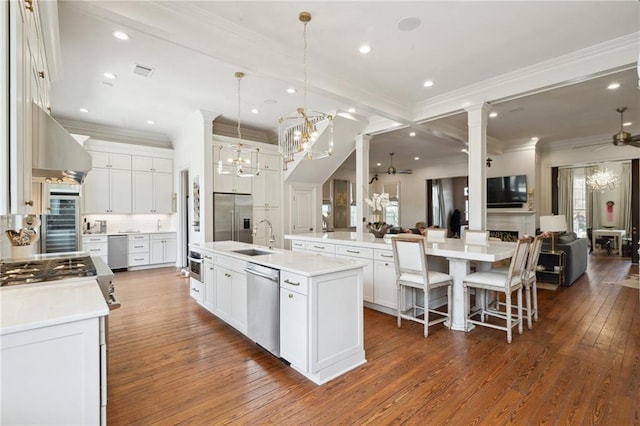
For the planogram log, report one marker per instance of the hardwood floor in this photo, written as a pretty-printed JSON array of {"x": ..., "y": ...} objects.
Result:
[{"x": 171, "y": 362}]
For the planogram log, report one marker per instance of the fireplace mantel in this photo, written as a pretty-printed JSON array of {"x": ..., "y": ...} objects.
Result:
[{"x": 523, "y": 221}]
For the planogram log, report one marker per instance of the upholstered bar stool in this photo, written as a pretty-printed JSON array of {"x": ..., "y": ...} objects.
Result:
[
  {"x": 412, "y": 272},
  {"x": 497, "y": 281}
]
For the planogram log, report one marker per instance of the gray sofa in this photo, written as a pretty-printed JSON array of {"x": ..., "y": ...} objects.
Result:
[{"x": 577, "y": 252}]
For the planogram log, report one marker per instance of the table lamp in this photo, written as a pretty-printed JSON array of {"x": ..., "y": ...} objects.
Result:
[{"x": 553, "y": 224}]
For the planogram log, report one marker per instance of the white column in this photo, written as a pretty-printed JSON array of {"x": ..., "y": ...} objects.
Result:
[
  {"x": 477, "y": 121},
  {"x": 362, "y": 177}
]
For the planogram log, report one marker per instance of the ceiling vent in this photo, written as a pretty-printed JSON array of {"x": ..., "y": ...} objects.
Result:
[{"x": 143, "y": 71}]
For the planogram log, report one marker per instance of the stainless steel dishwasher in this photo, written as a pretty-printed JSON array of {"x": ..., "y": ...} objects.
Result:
[
  {"x": 118, "y": 252},
  {"x": 263, "y": 306}
]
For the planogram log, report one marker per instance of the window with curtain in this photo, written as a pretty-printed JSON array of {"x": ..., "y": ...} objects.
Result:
[
  {"x": 579, "y": 213},
  {"x": 392, "y": 211}
]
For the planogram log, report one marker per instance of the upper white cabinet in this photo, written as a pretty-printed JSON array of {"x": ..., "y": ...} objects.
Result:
[
  {"x": 107, "y": 191},
  {"x": 111, "y": 160},
  {"x": 122, "y": 181},
  {"x": 29, "y": 81},
  {"x": 267, "y": 186},
  {"x": 152, "y": 164}
]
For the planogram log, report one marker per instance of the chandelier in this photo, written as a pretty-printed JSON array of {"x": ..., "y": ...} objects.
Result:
[
  {"x": 238, "y": 155},
  {"x": 298, "y": 131},
  {"x": 602, "y": 180}
]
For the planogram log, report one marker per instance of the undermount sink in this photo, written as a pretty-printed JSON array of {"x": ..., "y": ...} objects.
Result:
[{"x": 252, "y": 252}]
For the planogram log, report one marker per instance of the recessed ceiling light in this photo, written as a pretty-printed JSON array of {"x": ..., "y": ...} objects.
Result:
[
  {"x": 120, "y": 35},
  {"x": 627, "y": 123},
  {"x": 535, "y": 139},
  {"x": 493, "y": 114},
  {"x": 409, "y": 24},
  {"x": 291, "y": 90},
  {"x": 465, "y": 150},
  {"x": 84, "y": 110},
  {"x": 110, "y": 75},
  {"x": 613, "y": 86},
  {"x": 378, "y": 164},
  {"x": 416, "y": 158},
  {"x": 255, "y": 110},
  {"x": 428, "y": 83},
  {"x": 351, "y": 110},
  {"x": 365, "y": 48},
  {"x": 412, "y": 134},
  {"x": 151, "y": 122}
]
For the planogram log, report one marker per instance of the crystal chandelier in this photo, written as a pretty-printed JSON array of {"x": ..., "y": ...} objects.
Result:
[
  {"x": 238, "y": 155},
  {"x": 297, "y": 132},
  {"x": 602, "y": 180}
]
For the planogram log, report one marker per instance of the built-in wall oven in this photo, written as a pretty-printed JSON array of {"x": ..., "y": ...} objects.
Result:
[{"x": 195, "y": 265}]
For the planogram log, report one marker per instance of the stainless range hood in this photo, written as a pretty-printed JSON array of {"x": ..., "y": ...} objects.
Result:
[{"x": 57, "y": 156}]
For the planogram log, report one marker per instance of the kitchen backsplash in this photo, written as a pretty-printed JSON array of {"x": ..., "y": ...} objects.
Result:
[{"x": 133, "y": 222}]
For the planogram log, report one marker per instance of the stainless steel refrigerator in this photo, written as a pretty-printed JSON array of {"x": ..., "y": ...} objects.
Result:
[
  {"x": 232, "y": 217},
  {"x": 61, "y": 224}
]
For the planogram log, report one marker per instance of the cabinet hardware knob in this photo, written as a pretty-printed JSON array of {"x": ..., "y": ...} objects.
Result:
[
  {"x": 290, "y": 296},
  {"x": 41, "y": 74},
  {"x": 29, "y": 203},
  {"x": 29, "y": 5}
]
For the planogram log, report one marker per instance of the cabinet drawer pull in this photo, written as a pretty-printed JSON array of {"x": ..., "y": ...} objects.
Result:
[
  {"x": 196, "y": 290},
  {"x": 94, "y": 249},
  {"x": 387, "y": 255},
  {"x": 139, "y": 260},
  {"x": 353, "y": 251},
  {"x": 319, "y": 247},
  {"x": 291, "y": 282},
  {"x": 138, "y": 246}
]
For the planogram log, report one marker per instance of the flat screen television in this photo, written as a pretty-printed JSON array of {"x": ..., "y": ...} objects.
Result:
[{"x": 507, "y": 191}]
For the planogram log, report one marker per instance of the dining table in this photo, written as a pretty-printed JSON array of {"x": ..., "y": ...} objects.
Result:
[{"x": 460, "y": 256}]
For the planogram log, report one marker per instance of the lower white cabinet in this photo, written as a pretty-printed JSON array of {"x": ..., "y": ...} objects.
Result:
[
  {"x": 52, "y": 375},
  {"x": 208, "y": 274},
  {"x": 162, "y": 248},
  {"x": 385, "y": 292},
  {"x": 138, "y": 249},
  {"x": 195, "y": 290},
  {"x": 96, "y": 245},
  {"x": 321, "y": 323},
  {"x": 230, "y": 292}
]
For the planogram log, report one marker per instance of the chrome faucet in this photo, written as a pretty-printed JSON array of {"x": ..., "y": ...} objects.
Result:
[{"x": 272, "y": 238}]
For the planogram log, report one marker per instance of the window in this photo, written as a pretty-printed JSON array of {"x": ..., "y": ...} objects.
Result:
[
  {"x": 392, "y": 211},
  {"x": 579, "y": 213}
]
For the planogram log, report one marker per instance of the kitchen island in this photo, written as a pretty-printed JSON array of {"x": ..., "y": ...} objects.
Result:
[{"x": 320, "y": 303}]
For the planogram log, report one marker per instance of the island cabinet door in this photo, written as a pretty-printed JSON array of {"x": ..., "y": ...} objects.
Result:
[
  {"x": 294, "y": 328},
  {"x": 385, "y": 292},
  {"x": 368, "y": 271},
  {"x": 239, "y": 301},
  {"x": 209, "y": 287},
  {"x": 222, "y": 293}
]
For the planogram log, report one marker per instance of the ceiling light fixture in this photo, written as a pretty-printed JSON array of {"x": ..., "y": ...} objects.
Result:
[
  {"x": 299, "y": 131},
  {"x": 416, "y": 158},
  {"x": 121, "y": 35},
  {"x": 613, "y": 86},
  {"x": 236, "y": 164},
  {"x": 493, "y": 114},
  {"x": 602, "y": 180},
  {"x": 151, "y": 122},
  {"x": 291, "y": 90},
  {"x": 428, "y": 83},
  {"x": 84, "y": 110},
  {"x": 378, "y": 164},
  {"x": 110, "y": 75},
  {"x": 351, "y": 110},
  {"x": 364, "y": 49},
  {"x": 627, "y": 123},
  {"x": 255, "y": 110},
  {"x": 412, "y": 134}
]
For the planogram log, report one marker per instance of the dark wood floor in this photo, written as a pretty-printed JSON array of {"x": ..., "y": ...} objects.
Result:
[{"x": 173, "y": 362}]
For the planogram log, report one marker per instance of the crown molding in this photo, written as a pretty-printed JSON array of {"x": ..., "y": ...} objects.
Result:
[
  {"x": 227, "y": 128},
  {"x": 97, "y": 131}
]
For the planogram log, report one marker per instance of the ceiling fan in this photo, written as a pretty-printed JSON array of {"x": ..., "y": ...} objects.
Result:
[
  {"x": 624, "y": 138},
  {"x": 392, "y": 170}
]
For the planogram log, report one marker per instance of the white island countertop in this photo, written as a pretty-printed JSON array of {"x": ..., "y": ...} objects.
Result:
[
  {"x": 29, "y": 306},
  {"x": 299, "y": 263},
  {"x": 359, "y": 239}
]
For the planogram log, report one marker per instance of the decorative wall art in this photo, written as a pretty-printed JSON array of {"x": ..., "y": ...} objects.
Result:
[{"x": 196, "y": 204}]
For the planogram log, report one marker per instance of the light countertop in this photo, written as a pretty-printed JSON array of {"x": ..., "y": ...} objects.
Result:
[
  {"x": 30, "y": 306},
  {"x": 359, "y": 239},
  {"x": 305, "y": 264},
  {"x": 162, "y": 231}
]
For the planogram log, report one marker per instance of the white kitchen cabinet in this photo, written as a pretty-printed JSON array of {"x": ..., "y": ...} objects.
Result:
[
  {"x": 209, "y": 278},
  {"x": 297, "y": 245},
  {"x": 294, "y": 327},
  {"x": 152, "y": 164},
  {"x": 385, "y": 292},
  {"x": 321, "y": 248},
  {"x": 321, "y": 322},
  {"x": 138, "y": 249},
  {"x": 96, "y": 245},
  {"x": 162, "y": 248},
  {"x": 273, "y": 215},
  {"x": 230, "y": 292},
  {"x": 196, "y": 290},
  {"x": 267, "y": 189},
  {"x": 363, "y": 255},
  {"x": 107, "y": 190},
  {"x": 152, "y": 192},
  {"x": 52, "y": 375},
  {"x": 110, "y": 160}
]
